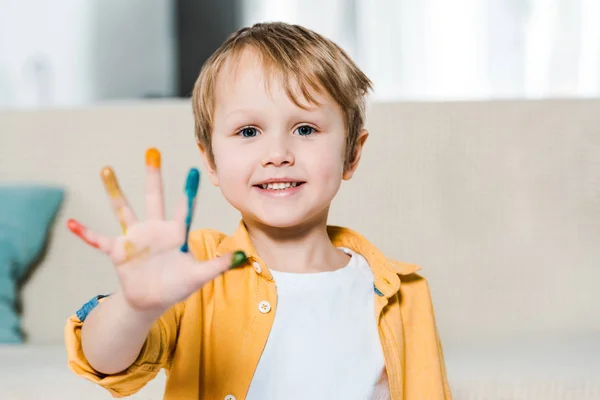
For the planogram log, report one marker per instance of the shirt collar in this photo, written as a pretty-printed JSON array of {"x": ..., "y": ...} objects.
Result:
[
  {"x": 240, "y": 240},
  {"x": 385, "y": 271}
]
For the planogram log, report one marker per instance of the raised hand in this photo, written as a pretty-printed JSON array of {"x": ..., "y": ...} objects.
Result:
[{"x": 151, "y": 258}]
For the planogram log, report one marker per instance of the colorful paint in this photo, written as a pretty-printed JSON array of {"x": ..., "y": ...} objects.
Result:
[
  {"x": 115, "y": 193},
  {"x": 191, "y": 189},
  {"x": 238, "y": 259},
  {"x": 131, "y": 253},
  {"x": 153, "y": 158},
  {"x": 129, "y": 248},
  {"x": 81, "y": 231}
]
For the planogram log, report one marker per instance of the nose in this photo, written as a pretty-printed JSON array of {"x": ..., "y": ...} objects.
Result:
[{"x": 278, "y": 151}]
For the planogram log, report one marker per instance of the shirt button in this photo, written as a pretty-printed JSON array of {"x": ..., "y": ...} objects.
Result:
[
  {"x": 257, "y": 267},
  {"x": 264, "y": 307},
  {"x": 230, "y": 397}
]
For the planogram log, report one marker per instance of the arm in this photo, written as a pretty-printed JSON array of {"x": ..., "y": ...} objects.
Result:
[
  {"x": 155, "y": 353},
  {"x": 425, "y": 370},
  {"x": 122, "y": 342},
  {"x": 447, "y": 391},
  {"x": 113, "y": 334}
]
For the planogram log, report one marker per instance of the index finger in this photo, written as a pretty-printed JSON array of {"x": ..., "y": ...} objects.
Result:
[{"x": 119, "y": 202}]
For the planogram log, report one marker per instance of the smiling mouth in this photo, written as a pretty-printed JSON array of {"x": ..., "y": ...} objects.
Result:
[{"x": 279, "y": 185}]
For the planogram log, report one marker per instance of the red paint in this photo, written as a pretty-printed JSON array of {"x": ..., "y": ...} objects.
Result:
[{"x": 80, "y": 231}]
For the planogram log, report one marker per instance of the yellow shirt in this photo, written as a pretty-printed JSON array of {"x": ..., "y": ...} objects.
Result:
[{"x": 210, "y": 344}]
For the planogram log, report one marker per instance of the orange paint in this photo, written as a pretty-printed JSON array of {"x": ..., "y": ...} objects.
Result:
[
  {"x": 110, "y": 182},
  {"x": 80, "y": 231},
  {"x": 153, "y": 157}
]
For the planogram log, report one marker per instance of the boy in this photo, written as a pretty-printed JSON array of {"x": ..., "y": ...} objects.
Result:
[{"x": 311, "y": 311}]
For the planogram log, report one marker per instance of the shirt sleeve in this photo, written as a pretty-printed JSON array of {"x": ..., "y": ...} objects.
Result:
[
  {"x": 155, "y": 354},
  {"x": 425, "y": 369},
  {"x": 447, "y": 391}
]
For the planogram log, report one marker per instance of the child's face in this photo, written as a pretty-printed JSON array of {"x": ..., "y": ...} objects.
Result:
[{"x": 261, "y": 136}]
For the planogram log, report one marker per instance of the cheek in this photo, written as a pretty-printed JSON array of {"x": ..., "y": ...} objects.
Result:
[
  {"x": 326, "y": 164},
  {"x": 233, "y": 169}
]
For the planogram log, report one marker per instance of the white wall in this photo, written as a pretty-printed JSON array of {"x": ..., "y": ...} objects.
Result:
[
  {"x": 460, "y": 49},
  {"x": 73, "y": 52}
]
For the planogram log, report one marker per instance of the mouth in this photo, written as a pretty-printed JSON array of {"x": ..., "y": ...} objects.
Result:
[{"x": 279, "y": 186}]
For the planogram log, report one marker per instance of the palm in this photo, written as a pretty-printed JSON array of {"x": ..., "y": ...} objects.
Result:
[
  {"x": 158, "y": 274},
  {"x": 152, "y": 270}
]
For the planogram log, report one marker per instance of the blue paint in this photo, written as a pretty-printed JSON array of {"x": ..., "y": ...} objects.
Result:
[{"x": 191, "y": 189}]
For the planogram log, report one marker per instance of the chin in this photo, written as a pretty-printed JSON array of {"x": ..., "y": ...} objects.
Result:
[
  {"x": 282, "y": 218},
  {"x": 283, "y": 213}
]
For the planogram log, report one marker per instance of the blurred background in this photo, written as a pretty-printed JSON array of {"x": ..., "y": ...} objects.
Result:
[
  {"x": 483, "y": 167},
  {"x": 72, "y": 52}
]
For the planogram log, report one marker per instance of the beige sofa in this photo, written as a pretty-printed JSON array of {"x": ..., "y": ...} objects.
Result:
[{"x": 499, "y": 202}]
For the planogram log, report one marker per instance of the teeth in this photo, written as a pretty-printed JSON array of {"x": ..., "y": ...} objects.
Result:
[{"x": 279, "y": 185}]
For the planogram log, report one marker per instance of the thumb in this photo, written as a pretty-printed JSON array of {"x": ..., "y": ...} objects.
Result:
[{"x": 208, "y": 270}]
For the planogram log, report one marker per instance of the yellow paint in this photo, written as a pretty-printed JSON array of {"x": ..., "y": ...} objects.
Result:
[
  {"x": 121, "y": 220},
  {"x": 114, "y": 191},
  {"x": 110, "y": 183},
  {"x": 131, "y": 253},
  {"x": 129, "y": 249}
]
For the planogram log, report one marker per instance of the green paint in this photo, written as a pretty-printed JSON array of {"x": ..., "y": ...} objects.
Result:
[{"x": 239, "y": 258}]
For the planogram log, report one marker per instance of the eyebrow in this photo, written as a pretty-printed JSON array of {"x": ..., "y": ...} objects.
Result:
[
  {"x": 236, "y": 115},
  {"x": 239, "y": 111},
  {"x": 249, "y": 111}
]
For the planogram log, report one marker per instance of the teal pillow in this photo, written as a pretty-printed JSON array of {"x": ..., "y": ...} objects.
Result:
[{"x": 26, "y": 215}]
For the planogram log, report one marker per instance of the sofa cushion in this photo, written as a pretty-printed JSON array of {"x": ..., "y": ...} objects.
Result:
[
  {"x": 26, "y": 215},
  {"x": 47, "y": 367},
  {"x": 548, "y": 367}
]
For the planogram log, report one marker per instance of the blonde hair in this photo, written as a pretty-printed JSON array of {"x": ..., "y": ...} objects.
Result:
[{"x": 298, "y": 55}]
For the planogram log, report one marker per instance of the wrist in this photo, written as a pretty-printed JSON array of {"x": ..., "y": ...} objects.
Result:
[{"x": 138, "y": 316}]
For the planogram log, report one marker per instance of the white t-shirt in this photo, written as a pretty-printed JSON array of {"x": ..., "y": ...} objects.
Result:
[{"x": 324, "y": 343}]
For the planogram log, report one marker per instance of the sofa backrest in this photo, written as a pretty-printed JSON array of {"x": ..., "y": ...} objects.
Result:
[{"x": 498, "y": 202}]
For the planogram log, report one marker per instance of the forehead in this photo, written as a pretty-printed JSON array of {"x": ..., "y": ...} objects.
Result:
[{"x": 246, "y": 78}]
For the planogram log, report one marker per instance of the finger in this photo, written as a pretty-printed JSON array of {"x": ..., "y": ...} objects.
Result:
[
  {"x": 101, "y": 242},
  {"x": 181, "y": 210},
  {"x": 155, "y": 207},
  {"x": 238, "y": 259},
  {"x": 191, "y": 189},
  {"x": 208, "y": 270},
  {"x": 124, "y": 213}
]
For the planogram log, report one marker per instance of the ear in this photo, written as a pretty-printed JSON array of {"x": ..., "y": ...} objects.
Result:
[
  {"x": 360, "y": 142},
  {"x": 209, "y": 166}
]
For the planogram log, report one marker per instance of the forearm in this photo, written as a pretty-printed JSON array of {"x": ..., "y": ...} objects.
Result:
[{"x": 113, "y": 334}]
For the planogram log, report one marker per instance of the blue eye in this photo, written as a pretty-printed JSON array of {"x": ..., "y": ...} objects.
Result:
[
  {"x": 305, "y": 130},
  {"x": 249, "y": 132}
]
